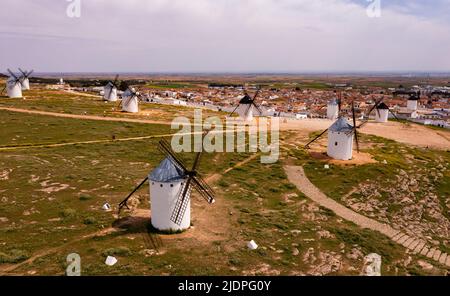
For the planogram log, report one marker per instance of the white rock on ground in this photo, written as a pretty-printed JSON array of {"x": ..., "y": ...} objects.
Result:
[
  {"x": 252, "y": 245},
  {"x": 110, "y": 261}
]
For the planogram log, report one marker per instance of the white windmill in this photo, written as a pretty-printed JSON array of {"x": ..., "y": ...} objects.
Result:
[
  {"x": 130, "y": 101},
  {"x": 412, "y": 103},
  {"x": 110, "y": 90},
  {"x": 25, "y": 79},
  {"x": 340, "y": 138},
  {"x": 333, "y": 109},
  {"x": 247, "y": 108},
  {"x": 13, "y": 86},
  {"x": 171, "y": 184},
  {"x": 382, "y": 113}
]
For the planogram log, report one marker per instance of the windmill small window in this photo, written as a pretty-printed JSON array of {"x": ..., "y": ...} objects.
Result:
[{"x": 336, "y": 143}]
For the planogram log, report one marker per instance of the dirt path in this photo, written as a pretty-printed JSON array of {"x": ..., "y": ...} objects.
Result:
[
  {"x": 72, "y": 92},
  {"x": 296, "y": 176},
  {"x": 81, "y": 143},
  {"x": 413, "y": 134},
  {"x": 4, "y": 270}
]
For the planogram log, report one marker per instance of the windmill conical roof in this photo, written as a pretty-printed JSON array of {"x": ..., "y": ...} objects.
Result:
[
  {"x": 246, "y": 100},
  {"x": 382, "y": 106},
  {"x": 341, "y": 125},
  {"x": 166, "y": 172}
]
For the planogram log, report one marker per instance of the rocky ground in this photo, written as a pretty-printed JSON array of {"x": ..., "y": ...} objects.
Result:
[{"x": 410, "y": 202}]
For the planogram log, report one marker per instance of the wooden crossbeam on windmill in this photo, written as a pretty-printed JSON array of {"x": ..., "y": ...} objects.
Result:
[
  {"x": 25, "y": 79},
  {"x": 247, "y": 107},
  {"x": 13, "y": 86},
  {"x": 171, "y": 184},
  {"x": 110, "y": 90}
]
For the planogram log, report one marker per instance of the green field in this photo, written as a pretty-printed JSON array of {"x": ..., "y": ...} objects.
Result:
[{"x": 51, "y": 198}]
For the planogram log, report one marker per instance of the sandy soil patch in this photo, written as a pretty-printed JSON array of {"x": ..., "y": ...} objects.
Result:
[
  {"x": 410, "y": 134},
  {"x": 360, "y": 158}
]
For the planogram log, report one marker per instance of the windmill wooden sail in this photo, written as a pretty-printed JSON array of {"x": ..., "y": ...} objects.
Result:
[
  {"x": 171, "y": 184},
  {"x": 247, "y": 107}
]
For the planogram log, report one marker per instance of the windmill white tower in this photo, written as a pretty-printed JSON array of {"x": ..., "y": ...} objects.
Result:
[
  {"x": 247, "y": 108},
  {"x": 130, "y": 101},
  {"x": 382, "y": 113},
  {"x": 340, "y": 138},
  {"x": 13, "y": 86},
  {"x": 333, "y": 109},
  {"x": 171, "y": 184},
  {"x": 25, "y": 79},
  {"x": 110, "y": 90},
  {"x": 412, "y": 103}
]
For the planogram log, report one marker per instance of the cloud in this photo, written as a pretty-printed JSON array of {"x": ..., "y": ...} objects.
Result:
[{"x": 224, "y": 35}]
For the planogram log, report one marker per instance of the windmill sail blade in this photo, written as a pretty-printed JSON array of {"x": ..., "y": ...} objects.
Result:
[
  {"x": 24, "y": 73},
  {"x": 182, "y": 203},
  {"x": 29, "y": 73},
  {"x": 3, "y": 90},
  {"x": 115, "y": 80},
  {"x": 247, "y": 110},
  {"x": 203, "y": 188},
  {"x": 12, "y": 74},
  {"x": 258, "y": 108},
  {"x": 124, "y": 202},
  {"x": 316, "y": 138},
  {"x": 110, "y": 93},
  {"x": 164, "y": 146},
  {"x": 256, "y": 95},
  {"x": 393, "y": 114},
  {"x": 375, "y": 106}
]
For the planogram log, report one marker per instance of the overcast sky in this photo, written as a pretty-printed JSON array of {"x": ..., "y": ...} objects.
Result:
[{"x": 225, "y": 36}]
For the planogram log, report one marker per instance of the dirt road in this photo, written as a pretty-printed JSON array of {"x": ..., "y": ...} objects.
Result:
[{"x": 412, "y": 134}]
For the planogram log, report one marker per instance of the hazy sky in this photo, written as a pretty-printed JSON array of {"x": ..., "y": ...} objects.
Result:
[{"x": 225, "y": 35}]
